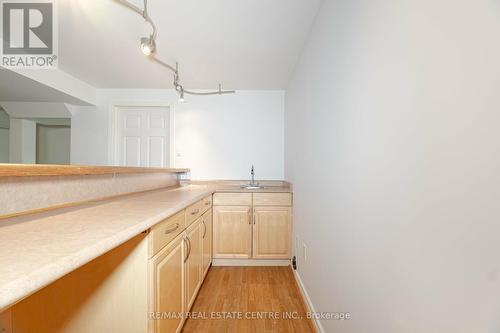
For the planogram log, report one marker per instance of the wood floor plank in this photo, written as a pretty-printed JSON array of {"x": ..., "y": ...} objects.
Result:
[{"x": 256, "y": 294}]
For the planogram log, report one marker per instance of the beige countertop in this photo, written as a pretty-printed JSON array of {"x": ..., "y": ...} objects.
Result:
[
  {"x": 237, "y": 189},
  {"x": 37, "y": 249},
  {"x": 235, "y": 186}
]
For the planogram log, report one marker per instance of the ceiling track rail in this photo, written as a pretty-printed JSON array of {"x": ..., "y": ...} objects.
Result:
[{"x": 148, "y": 45}]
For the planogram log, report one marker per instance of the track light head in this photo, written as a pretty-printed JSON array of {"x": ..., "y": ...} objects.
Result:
[
  {"x": 181, "y": 97},
  {"x": 148, "y": 45}
]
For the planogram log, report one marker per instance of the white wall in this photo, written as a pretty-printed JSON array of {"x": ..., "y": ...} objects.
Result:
[
  {"x": 4, "y": 145},
  {"x": 53, "y": 144},
  {"x": 22, "y": 141},
  {"x": 4, "y": 119},
  {"x": 218, "y": 137},
  {"x": 4, "y": 136},
  {"x": 89, "y": 136},
  {"x": 392, "y": 142}
]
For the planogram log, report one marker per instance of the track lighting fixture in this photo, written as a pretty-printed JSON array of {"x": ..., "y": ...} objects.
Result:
[
  {"x": 148, "y": 47},
  {"x": 181, "y": 97}
]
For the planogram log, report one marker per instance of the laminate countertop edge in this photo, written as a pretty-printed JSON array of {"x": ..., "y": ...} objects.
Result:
[{"x": 43, "y": 170}]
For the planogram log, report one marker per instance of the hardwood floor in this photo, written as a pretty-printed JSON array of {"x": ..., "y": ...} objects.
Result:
[{"x": 249, "y": 299}]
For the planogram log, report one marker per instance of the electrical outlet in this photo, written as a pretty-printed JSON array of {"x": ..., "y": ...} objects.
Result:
[
  {"x": 6, "y": 322},
  {"x": 304, "y": 252}
]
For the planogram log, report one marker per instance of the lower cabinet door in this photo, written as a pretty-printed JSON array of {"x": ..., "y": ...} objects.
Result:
[
  {"x": 271, "y": 232},
  {"x": 193, "y": 262},
  {"x": 167, "y": 274},
  {"x": 207, "y": 240},
  {"x": 232, "y": 232}
]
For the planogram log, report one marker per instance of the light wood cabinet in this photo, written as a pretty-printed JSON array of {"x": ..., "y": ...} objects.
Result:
[
  {"x": 165, "y": 231},
  {"x": 145, "y": 285},
  {"x": 252, "y": 225},
  {"x": 271, "y": 232},
  {"x": 193, "y": 261},
  {"x": 109, "y": 294},
  {"x": 207, "y": 241},
  {"x": 168, "y": 286},
  {"x": 272, "y": 199},
  {"x": 206, "y": 203},
  {"x": 232, "y": 232},
  {"x": 232, "y": 199},
  {"x": 193, "y": 212}
]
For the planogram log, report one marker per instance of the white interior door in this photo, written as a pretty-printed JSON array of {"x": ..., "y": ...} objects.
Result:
[{"x": 143, "y": 136}]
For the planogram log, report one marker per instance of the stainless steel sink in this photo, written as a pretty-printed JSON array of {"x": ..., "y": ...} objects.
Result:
[{"x": 252, "y": 187}]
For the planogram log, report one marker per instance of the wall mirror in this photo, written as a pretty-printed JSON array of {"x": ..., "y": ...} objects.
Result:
[{"x": 34, "y": 140}]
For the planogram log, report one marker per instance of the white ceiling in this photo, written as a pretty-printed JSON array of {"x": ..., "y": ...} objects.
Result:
[{"x": 244, "y": 44}]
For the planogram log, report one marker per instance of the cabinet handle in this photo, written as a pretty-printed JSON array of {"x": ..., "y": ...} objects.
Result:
[
  {"x": 204, "y": 228},
  {"x": 250, "y": 216},
  {"x": 254, "y": 216},
  {"x": 168, "y": 231},
  {"x": 194, "y": 212},
  {"x": 187, "y": 247}
]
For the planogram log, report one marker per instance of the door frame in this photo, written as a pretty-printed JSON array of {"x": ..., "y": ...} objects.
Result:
[{"x": 113, "y": 132}]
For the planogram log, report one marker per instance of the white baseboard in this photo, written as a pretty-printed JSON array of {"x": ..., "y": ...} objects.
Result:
[
  {"x": 250, "y": 262},
  {"x": 307, "y": 299}
]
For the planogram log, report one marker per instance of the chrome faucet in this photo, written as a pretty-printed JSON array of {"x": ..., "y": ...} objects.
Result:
[{"x": 252, "y": 185}]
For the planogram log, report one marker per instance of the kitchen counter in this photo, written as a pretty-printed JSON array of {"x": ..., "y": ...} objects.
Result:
[
  {"x": 237, "y": 189},
  {"x": 234, "y": 186},
  {"x": 37, "y": 249}
]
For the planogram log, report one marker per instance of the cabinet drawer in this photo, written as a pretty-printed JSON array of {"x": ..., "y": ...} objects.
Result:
[
  {"x": 193, "y": 212},
  {"x": 206, "y": 203},
  {"x": 233, "y": 199},
  {"x": 164, "y": 232},
  {"x": 272, "y": 199}
]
